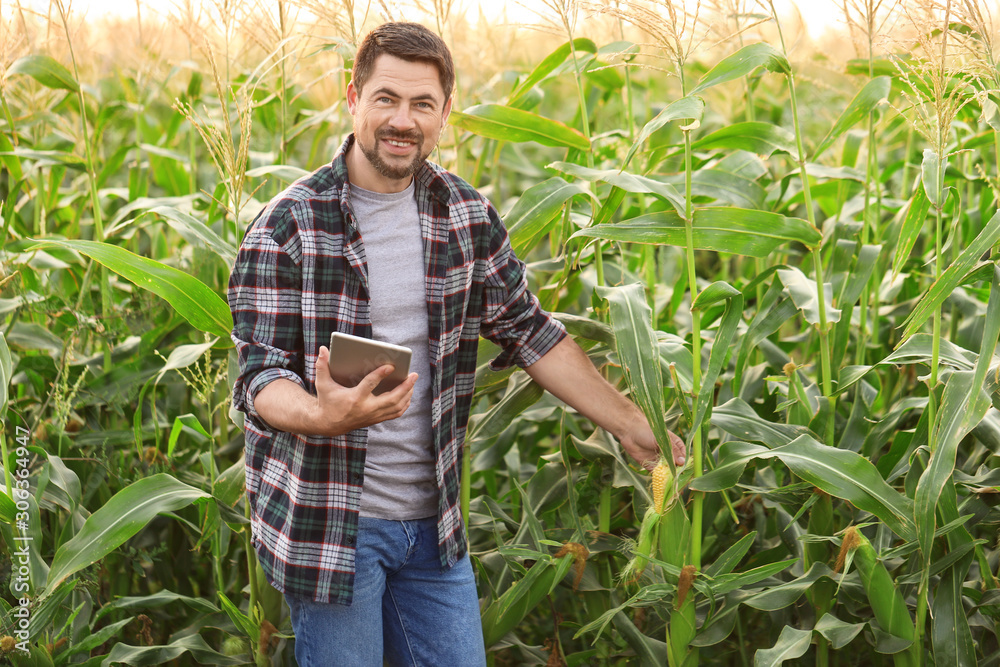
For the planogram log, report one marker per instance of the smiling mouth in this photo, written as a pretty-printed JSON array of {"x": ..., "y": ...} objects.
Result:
[{"x": 400, "y": 141}]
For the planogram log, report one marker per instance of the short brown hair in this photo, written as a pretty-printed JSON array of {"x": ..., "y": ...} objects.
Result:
[{"x": 406, "y": 41}]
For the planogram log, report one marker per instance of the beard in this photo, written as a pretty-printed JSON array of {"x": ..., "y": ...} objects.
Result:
[{"x": 381, "y": 166}]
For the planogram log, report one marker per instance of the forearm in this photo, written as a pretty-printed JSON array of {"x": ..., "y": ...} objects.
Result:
[
  {"x": 567, "y": 373},
  {"x": 286, "y": 406}
]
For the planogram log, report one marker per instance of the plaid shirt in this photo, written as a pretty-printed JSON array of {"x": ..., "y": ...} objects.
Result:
[{"x": 299, "y": 276}]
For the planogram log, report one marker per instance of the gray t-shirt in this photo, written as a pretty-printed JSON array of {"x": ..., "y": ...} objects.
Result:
[{"x": 400, "y": 476}]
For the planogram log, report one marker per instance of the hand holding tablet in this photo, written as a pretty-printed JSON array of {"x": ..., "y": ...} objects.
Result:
[{"x": 352, "y": 358}]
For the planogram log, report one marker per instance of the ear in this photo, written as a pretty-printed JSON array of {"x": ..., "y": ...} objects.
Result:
[
  {"x": 352, "y": 97},
  {"x": 447, "y": 110}
]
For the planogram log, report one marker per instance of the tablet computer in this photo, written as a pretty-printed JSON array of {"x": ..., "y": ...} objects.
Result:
[{"x": 353, "y": 357}]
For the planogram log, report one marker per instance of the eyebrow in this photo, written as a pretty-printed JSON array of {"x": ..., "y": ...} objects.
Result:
[{"x": 392, "y": 93}]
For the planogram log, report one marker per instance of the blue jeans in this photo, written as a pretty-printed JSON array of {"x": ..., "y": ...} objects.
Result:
[{"x": 406, "y": 611}]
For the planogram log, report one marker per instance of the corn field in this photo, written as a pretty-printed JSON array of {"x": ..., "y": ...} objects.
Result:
[{"x": 783, "y": 255}]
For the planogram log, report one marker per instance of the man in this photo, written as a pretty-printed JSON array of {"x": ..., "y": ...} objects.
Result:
[{"x": 354, "y": 495}]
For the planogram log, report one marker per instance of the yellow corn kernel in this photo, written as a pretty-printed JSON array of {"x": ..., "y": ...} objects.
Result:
[{"x": 663, "y": 481}]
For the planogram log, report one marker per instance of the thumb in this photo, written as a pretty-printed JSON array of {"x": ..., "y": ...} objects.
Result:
[{"x": 323, "y": 378}]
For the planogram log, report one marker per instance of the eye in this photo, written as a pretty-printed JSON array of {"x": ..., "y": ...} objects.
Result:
[{"x": 384, "y": 100}]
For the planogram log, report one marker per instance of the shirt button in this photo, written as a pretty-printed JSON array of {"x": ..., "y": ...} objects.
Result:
[
  {"x": 349, "y": 541},
  {"x": 356, "y": 476}
]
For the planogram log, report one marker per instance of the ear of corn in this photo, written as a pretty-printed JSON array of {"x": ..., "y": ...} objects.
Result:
[
  {"x": 642, "y": 549},
  {"x": 662, "y": 485},
  {"x": 886, "y": 601}
]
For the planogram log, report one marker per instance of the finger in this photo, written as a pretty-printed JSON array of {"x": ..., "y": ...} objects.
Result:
[
  {"x": 373, "y": 379},
  {"x": 678, "y": 448},
  {"x": 404, "y": 390},
  {"x": 649, "y": 464}
]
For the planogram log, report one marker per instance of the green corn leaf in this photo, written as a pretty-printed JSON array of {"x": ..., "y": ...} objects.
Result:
[
  {"x": 239, "y": 619},
  {"x": 186, "y": 424},
  {"x": 197, "y": 647},
  {"x": 46, "y": 71},
  {"x": 726, "y": 583},
  {"x": 9, "y": 160},
  {"x": 600, "y": 445},
  {"x": 651, "y": 652},
  {"x": 733, "y": 459},
  {"x": 141, "y": 205},
  {"x": 183, "y": 356},
  {"x": 495, "y": 121},
  {"x": 951, "y": 635},
  {"x": 734, "y": 230},
  {"x": 728, "y": 561},
  {"x": 521, "y": 394},
  {"x": 8, "y": 510},
  {"x": 536, "y": 209},
  {"x": 723, "y": 186},
  {"x": 283, "y": 172},
  {"x": 856, "y": 277},
  {"x": 847, "y": 475},
  {"x": 507, "y": 611},
  {"x": 196, "y": 232},
  {"x": 192, "y": 299},
  {"x": 626, "y": 181},
  {"x": 791, "y": 644},
  {"x": 157, "y": 600},
  {"x": 45, "y": 613},
  {"x": 952, "y": 277},
  {"x": 867, "y": 99},
  {"x": 737, "y": 418},
  {"x": 916, "y": 350},
  {"x": 963, "y": 406},
  {"x": 548, "y": 65},
  {"x": 579, "y": 326},
  {"x": 228, "y": 486},
  {"x": 6, "y": 370},
  {"x": 776, "y": 309},
  {"x": 62, "y": 158},
  {"x": 764, "y": 139},
  {"x": 635, "y": 342},
  {"x": 743, "y": 63},
  {"x": 686, "y": 108},
  {"x": 92, "y": 641},
  {"x": 33, "y": 336},
  {"x": 124, "y": 515},
  {"x": 932, "y": 177},
  {"x": 786, "y": 594},
  {"x": 916, "y": 215},
  {"x": 839, "y": 472},
  {"x": 731, "y": 318},
  {"x": 837, "y": 632},
  {"x": 805, "y": 295}
]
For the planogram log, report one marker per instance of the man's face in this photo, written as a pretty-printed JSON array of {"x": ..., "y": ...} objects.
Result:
[{"x": 398, "y": 118}]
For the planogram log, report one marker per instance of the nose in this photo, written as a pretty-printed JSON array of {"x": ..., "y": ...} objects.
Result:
[{"x": 402, "y": 119}]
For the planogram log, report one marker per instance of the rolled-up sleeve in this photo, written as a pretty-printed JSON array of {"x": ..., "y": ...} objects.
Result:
[
  {"x": 513, "y": 318},
  {"x": 265, "y": 296}
]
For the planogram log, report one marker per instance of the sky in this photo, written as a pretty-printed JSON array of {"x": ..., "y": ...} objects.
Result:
[{"x": 818, "y": 14}]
